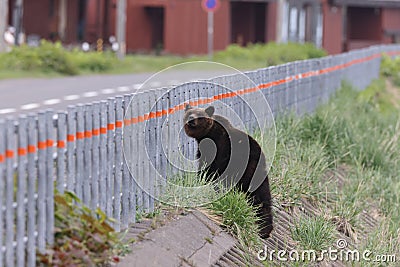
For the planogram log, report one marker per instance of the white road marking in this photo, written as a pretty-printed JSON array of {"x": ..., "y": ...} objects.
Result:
[
  {"x": 90, "y": 94},
  {"x": 71, "y": 97},
  {"x": 123, "y": 89},
  {"x": 137, "y": 85},
  {"x": 108, "y": 91},
  {"x": 51, "y": 101},
  {"x": 7, "y": 110},
  {"x": 30, "y": 106}
]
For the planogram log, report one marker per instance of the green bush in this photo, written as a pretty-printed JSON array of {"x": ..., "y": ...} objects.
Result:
[
  {"x": 271, "y": 53},
  {"x": 390, "y": 68},
  {"x": 55, "y": 58},
  {"x": 82, "y": 237},
  {"x": 93, "y": 61},
  {"x": 48, "y": 57},
  {"x": 52, "y": 57}
]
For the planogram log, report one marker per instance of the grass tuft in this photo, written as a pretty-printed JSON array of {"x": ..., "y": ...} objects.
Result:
[{"x": 314, "y": 233}]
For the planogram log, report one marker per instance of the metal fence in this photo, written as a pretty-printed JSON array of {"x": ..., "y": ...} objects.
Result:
[{"x": 83, "y": 149}]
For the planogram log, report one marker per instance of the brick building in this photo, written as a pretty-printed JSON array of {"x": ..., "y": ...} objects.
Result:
[{"x": 180, "y": 26}]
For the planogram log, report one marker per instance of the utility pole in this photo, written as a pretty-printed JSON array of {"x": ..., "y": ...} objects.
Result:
[
  {"x": 121, "y": 28},
  {"x": 3, "y": 23},
  {"x": 62, "y": 22},
  {"x": 17, "y": 21},
  {"x": 210, "y": 32}
]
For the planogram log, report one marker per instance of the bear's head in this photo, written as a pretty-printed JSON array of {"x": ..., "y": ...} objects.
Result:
[{"x": 198, "y": 121}]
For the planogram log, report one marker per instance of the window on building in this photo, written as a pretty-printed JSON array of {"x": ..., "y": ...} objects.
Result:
[{"x": 302, "y": 22}]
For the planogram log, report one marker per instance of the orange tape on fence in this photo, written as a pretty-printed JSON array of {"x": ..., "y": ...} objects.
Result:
[
  {"x": 80, "y": 135},
  {"x": 31, "y": 149},
  {"x": 9, "y": 153},
  {"x": 42, "y": 145},
  {"x": 96, "y": 132},
  {"x": 172, "y": 110},
  {"x": 49, "y": 143},
  {"x": 21, "y": 151},
  {"x": 70, "y": 138},
  {"x": 88, "y": 134},
  {"x": 61, "y": 144},
  {"x": 111, "y": 126}
]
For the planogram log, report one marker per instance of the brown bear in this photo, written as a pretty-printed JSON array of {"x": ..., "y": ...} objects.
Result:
[{"x": 227, "y": 153}]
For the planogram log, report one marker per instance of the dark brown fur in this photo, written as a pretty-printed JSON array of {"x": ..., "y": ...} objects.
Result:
[{"x": 227, "y": 152}]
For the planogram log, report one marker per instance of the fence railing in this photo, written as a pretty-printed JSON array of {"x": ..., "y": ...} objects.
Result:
[{"x": 83, "y": 149}]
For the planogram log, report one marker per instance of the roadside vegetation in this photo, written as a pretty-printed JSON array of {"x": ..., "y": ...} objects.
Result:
[
  {"x": 356, "y": 135},
  {"x": 82, "y": 237},
  {"x": 344, "y": 161},
  {"x": 52, "y": 59}
]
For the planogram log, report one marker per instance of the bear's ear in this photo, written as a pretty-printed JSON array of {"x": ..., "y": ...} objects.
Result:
[
  {"x": 210, "y": 111},
  {"x": 187, "y": 107}
]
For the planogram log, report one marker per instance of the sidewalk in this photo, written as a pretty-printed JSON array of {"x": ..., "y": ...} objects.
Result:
[{"x": 187, "y": 240}]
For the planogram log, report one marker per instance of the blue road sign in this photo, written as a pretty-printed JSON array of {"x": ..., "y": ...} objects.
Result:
[{"x": 210, "y": 5}]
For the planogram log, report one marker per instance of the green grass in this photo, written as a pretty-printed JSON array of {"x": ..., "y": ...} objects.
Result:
[
  {"x": 351, "y": 132},
  {"x": 356, "y": 132},
  {"x": 238, "y": 216},
  {"x": 314, "y": 233},
  {"x": 260, "y": 55},
  {"x": 49, "y": 60},
  {"x": 230, "y": 206},
  {"x": 187, "y": 189}
]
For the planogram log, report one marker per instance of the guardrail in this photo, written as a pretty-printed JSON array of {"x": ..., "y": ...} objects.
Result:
[{"x": 82, "y": 149}]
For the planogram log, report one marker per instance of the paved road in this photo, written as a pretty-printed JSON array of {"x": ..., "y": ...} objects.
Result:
[{"x": 21, "y": 96}]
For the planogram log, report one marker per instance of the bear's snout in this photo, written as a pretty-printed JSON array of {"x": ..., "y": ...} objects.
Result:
[{"x": 191, "y": 121}]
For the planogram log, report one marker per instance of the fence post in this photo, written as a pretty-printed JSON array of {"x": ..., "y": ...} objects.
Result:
[
  {"x": 119, "y": 116},
  {"x": 61, "y": 149},
  {"x": 71, "y": 149},
  {"x": 41, "y": 182},
  {"x": 126, "y": 142},
  {"x": 9, "y": 195},
  {"x": 151, "y": 146},
  {"x": 80, "y": 135},
  {"x": 137, "y": 172},
  {"x": 2, "y": 179},
  {"x": 95, "y": 155},
  {"x": 110, "y": 155},
  {"x": 87, "y": 156},
  {"x": 132, "y": 167},
  {"x": 21, "y": 189},
  {"x": 103, "y": 157},
  {"x": 32, "y": 184},
  {"x": 50, "y": 177}
]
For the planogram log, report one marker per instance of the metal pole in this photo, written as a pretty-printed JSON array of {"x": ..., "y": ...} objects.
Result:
[
  {"x": 18, "y": 15},
  {"x": 210, "y": 30},
  {"x": 62, "y": 19},
  {"x": 3, "y": 23},
  {"x": 121, "y": 28},
  {"x": 279, "y": 21}
]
